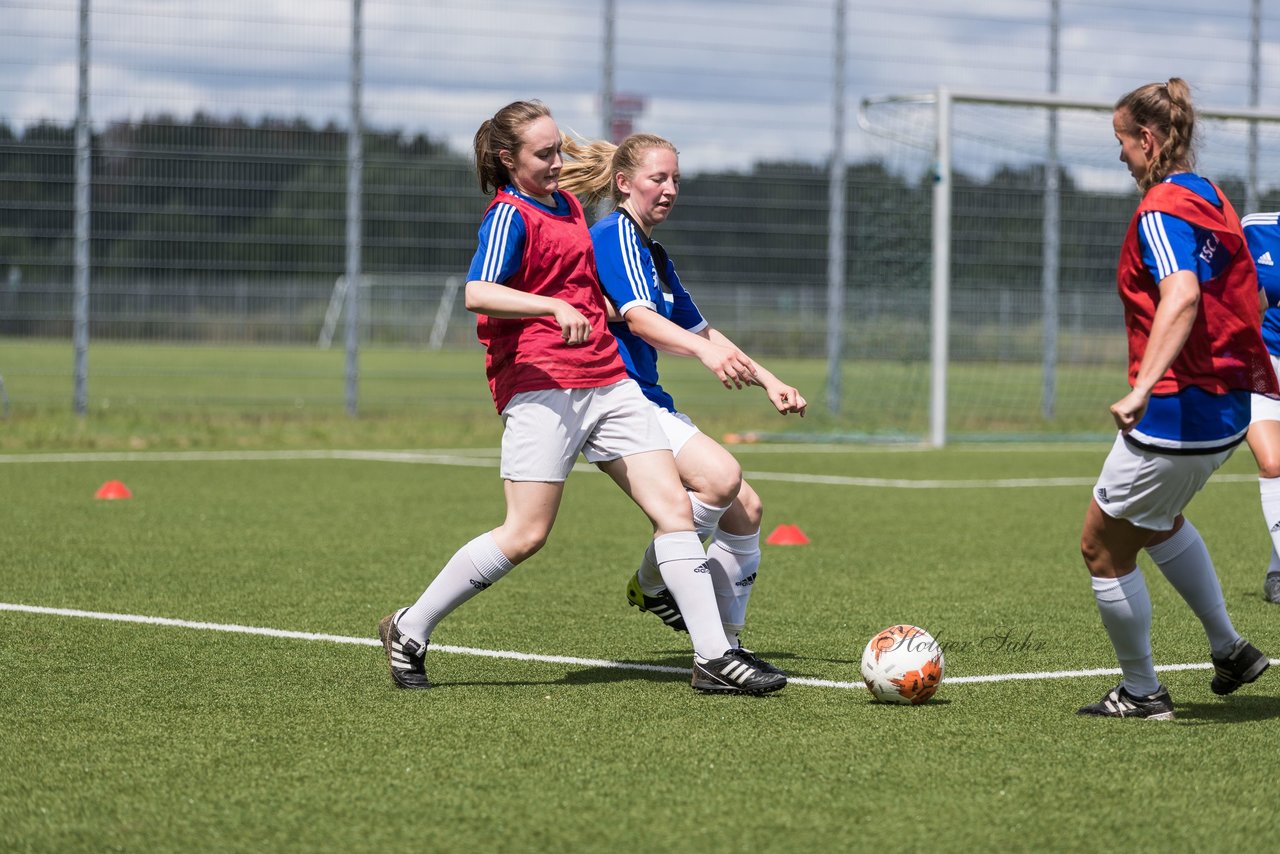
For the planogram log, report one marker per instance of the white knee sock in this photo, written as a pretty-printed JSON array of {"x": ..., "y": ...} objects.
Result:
[
  {"x": 734, "y": 561},
  {"x": 472, "y": 568},
  {"x": 650, "y": 577},
  {"x": 683, "y": 564},
  {"x": 1125, "y": 606},
  {"x": 1269, "y": 487},
  {"x": 1184, "y": 560},
  {"x": 705, "y": 516}
]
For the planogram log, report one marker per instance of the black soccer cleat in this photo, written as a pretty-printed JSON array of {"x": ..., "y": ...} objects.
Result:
[
  {"x": 663, "y": 606},
  {"x": 405, "y": 656},
  {"x": 759, "y": 663},
  {"x": 733, "y": 673},
  {"x": 1119, "y": 703},
  {"x": 1241, "y": 666}
]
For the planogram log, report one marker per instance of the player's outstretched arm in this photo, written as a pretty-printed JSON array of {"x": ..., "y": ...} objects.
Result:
[
  {"x": 731, "y": 366},
  {"x": 786, "y": 399}
]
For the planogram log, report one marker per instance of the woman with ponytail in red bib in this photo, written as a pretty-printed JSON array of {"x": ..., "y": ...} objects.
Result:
[
  {"x": 561, "y": 389},
  {"x": 1190, "y": 295}
]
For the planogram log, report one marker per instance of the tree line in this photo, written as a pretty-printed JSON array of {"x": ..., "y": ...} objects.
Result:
[{"x": 210, "y": 197}]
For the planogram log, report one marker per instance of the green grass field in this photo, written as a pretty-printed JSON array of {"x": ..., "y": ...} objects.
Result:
[
  {"x": 127, "y": 735},
  {"x": 157, "y": 394}
]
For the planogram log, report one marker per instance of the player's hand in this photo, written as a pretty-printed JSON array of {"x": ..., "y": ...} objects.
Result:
[
  {"x": 1128, "y": 410},
  {"x": 574, "y": 328},
  {"x": 730, "y": 365},
  {"x": 786, "y": 400}
]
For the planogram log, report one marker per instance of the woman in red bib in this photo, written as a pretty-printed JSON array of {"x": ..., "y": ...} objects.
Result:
[
  {"x": 1190, "y": 295},
  {"x": 561, "y": 389}
]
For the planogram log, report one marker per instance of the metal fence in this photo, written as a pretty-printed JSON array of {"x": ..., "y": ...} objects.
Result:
[{"x": 220, "y": 160}]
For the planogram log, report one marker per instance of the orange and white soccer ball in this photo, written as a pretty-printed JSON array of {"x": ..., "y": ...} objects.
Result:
[{"x": 902, "y": 664}]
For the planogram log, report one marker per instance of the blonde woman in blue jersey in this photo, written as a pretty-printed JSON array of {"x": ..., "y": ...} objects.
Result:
[{"x": 654, "y": 312}]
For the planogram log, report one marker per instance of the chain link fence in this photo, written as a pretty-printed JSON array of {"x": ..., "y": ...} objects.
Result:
[{"x": 219, "y": 158}]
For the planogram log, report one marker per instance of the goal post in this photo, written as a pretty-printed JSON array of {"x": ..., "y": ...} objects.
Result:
[
  {"x": 1027, "y": 216},
  {"x": 401, "y": 308}
]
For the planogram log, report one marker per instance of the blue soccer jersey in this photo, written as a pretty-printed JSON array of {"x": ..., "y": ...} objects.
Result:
[
  {"x": 637, "y": 274},
  {"x": 502, "y": 231},
  {"x": 1191, "y": 421},
  {"x": 1170, "y": 244},
  {"x": 1263, "y": 233}
]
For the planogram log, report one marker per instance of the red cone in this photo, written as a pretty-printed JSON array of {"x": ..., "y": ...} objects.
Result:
[
  {"x": 787, "y": 535},
  {"x": 112, "y": 490}
]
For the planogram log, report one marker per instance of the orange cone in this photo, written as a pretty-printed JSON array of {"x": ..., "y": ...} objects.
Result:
[
  {"x": 112, "y": 490},
  {"x": 740, "y": 438},
  {"x": 787, "y": 535}
]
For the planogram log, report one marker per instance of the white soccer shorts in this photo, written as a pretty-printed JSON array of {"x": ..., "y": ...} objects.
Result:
[
  {"x": 678, "y": 427},
  {"x": 544, "y": 431},
  {"x": 1150, "y": 489}
]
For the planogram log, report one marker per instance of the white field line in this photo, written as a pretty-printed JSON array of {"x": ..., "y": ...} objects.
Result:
[
  {"x": 446, "y": 458},
  {"x": 487, "y": 459},
  {"x": 528, "y": 656}
]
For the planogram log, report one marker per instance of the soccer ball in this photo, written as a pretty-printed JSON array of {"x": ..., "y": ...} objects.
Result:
[{"x": 902, "y": 664}]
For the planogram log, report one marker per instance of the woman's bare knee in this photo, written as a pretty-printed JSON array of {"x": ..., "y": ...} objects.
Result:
[
  {"x": 1110, "y": 546},
  {"x": 519, "y": 543},
  {"x": 1093, "y": 553},
  {"x": 672, "y": 513},
  {"x": 709, "y": 471}
]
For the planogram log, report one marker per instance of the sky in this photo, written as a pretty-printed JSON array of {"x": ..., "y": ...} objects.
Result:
[{"x": 731, "y": 82}]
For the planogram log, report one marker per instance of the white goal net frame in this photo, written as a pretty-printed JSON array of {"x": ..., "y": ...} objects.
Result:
[{"x": 938, "y": 133}]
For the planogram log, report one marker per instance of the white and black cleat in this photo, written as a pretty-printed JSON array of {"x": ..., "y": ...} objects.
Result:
[
  {"x": 1244, "y": 664},
  {"x": 405, "y": 656},
  {"x": 663, "y": 605},
  {"x": 1119, "y": 703},
  {"x": 735, "y": 672}
]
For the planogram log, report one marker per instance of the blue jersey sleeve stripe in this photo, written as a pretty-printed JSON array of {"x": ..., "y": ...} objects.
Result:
[
  {"x": 630, "y": 249},
  {"x": 494, "y": 247},
  {"x": 1166, "y": 245},
  {"x": 496, "y": 254},
  {"x": 1158, "y": 242},
  {"x": 636, "y": 303}
]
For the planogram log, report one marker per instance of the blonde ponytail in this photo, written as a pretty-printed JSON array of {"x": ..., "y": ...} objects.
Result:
[{"x": 590, "y": 168}]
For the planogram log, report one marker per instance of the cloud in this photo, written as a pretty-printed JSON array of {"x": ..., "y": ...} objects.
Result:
[{"x": 731, "y": 82}]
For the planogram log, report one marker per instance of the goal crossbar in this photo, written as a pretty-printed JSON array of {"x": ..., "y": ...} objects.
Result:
[{"x": 1045, "y": 100}]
